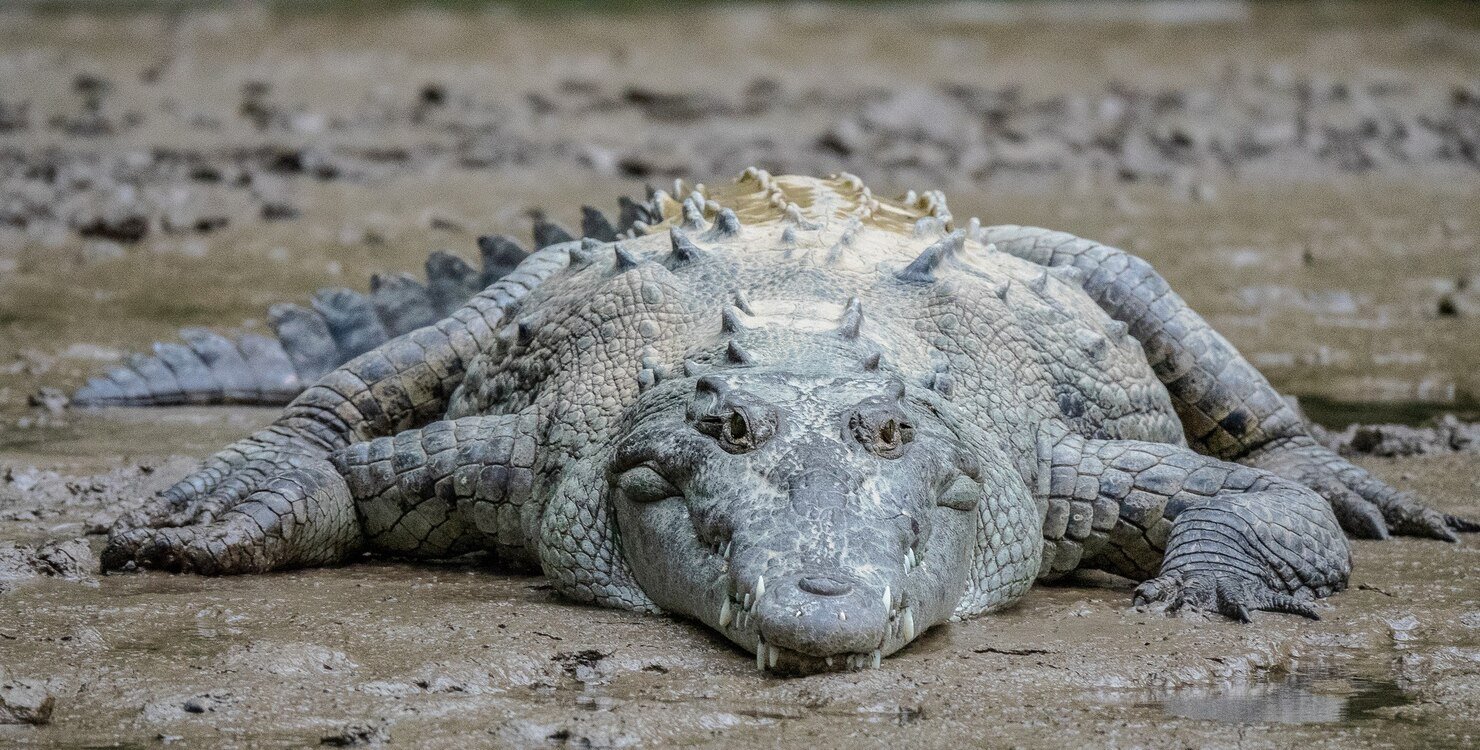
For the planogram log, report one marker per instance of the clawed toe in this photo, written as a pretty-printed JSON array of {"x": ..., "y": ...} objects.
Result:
[
  {"x": 1462, "y": 525},
  {"x": 1229, "y": 596},
  {"x": 1358, "y": 517}
]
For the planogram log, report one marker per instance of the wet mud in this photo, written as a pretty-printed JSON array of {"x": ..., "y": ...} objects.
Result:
[{"x": 1308, "y": 179}]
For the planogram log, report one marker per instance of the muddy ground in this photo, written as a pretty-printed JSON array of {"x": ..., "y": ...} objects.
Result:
[{"x": 1308, "y": 177}]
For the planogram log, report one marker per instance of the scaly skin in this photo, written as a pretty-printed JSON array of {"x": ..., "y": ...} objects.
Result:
[{"x": 819, "y": 422}]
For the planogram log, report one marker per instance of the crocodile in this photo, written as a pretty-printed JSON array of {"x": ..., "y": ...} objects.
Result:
[{"x": 818, "y": 421}]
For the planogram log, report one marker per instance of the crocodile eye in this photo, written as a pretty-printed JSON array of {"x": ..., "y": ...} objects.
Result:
[
  {"x": 736, "y": 420},
  {"x": 882, "y": 431},
  {"x": 738, "y": 429}
]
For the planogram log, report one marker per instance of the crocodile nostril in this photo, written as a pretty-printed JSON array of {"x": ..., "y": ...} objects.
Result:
[{"x": 824, "y": 586}]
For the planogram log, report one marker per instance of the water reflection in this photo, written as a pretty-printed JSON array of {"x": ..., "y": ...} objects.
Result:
[{"x": 1316, "y": 694}]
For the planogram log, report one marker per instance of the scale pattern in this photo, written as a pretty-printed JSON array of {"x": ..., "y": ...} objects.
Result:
[{"x": 816, "y": 420}]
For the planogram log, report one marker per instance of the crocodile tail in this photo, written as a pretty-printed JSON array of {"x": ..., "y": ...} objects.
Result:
[{"x": 205, "y": 367}]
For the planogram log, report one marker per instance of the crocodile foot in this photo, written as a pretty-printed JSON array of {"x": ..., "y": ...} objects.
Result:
[
  {"x": 303, "y": 516},
  {"x": 1366, "y": 507},
  {"x": 1234, "y": 597}
]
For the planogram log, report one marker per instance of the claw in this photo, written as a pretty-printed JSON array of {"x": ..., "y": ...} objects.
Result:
[
  {"x": 1234, "y": 598},
  {"x": 1359, "y": 518},
  {"x": 1462, "y": 525}
]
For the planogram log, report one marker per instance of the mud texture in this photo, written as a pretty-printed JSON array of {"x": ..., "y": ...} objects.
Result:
[{"x": 1308, "y": 178}]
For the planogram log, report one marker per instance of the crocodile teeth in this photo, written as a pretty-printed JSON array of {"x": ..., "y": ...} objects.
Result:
[
  {"x": 909, "y": 559},
  {"x": 760, "y": 655},
  {"x": 760, "y": 587},
  {"x": 771, "y": 653},
  {"x": 829, "y": 661},
  {"x": 909, "y": 623},
  {"x": 878, "y": 656},
  {"x": 888, "y": 600},
  {"x": 725, "y": 615}
]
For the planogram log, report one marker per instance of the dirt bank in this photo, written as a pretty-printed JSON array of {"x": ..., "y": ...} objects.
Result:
[{"x": 1306, "y": 178}]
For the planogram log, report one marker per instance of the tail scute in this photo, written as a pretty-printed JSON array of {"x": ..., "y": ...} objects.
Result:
[
  {"x": 351, "y": 320},
  {"x": 403, "y": 303},
  {"x": 305, "y": 337},
  {"x": 338, "y": 324}
]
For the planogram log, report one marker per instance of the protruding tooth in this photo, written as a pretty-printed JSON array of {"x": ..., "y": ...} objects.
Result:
[
  {"x": 760, "y": 587},
  {"x": 771, "y": 653},
  {"x": 852, "y": 321},
  {"x": 871, "y": 362},
  {"x": 909, "y": 559},
  {"x": 728, "y": 547},
  {"x": 760, "y": 655},
  {"x": 737, "y": 354},
  {"x": 742, "y": 301},
  {"x": 725, "y": 615},
  {"x": 746, "y": 601},
  {"x": 729, "y": 320},
  {"x": 878, "y": 657},
  {"x": 908, "y": 623},
  {"x": 1039, "y": 282},
  {"x": 726, "y": 223},
  {"x": 625, "y": 260},
  {"x": 684, "y": 249},
  {"x": 843, "y": 615},
  {"x": 922, "y": 268},
  {"x": 888, "y": 600},
  {"x": 829, "y": 661}
]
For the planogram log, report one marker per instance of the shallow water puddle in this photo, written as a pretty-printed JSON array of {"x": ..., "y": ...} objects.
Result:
[{"x": 1311, "y": 694}]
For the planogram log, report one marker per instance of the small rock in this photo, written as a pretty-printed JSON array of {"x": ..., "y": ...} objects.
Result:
[
  {"x": 50, "y": 399},
  {"x": 279, "y": 212},
  {"x": 354, "y": 735},
  {"x": 25, "y": 702}
]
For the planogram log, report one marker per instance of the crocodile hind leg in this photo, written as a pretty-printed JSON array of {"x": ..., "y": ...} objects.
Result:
[
  {"x": 1228, "y": 409},
  {"x": 1199, "y": 532},
  {"x": 438, "y": 491}
]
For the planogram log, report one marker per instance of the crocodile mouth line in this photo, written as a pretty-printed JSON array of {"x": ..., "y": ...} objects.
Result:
[{"x": 739, "y": 621}]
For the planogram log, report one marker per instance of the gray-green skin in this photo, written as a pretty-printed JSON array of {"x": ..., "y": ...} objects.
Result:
[{"x": 818, "y": 429}]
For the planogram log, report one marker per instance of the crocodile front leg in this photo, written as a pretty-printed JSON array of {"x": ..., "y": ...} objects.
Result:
[
  {"x": 448, "y": 488},
  {"x": 299, "y": 517},
  {"x": 1228, "y": 409},
  {"x": 1198, "y": 531},
  {"x": 401, "y": 384}
]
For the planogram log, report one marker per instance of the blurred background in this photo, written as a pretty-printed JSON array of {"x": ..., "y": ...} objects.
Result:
[{"x": 1305, "y": 174}]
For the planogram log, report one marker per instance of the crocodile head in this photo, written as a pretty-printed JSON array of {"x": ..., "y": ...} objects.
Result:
[{"x": 820, "y": 521}]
